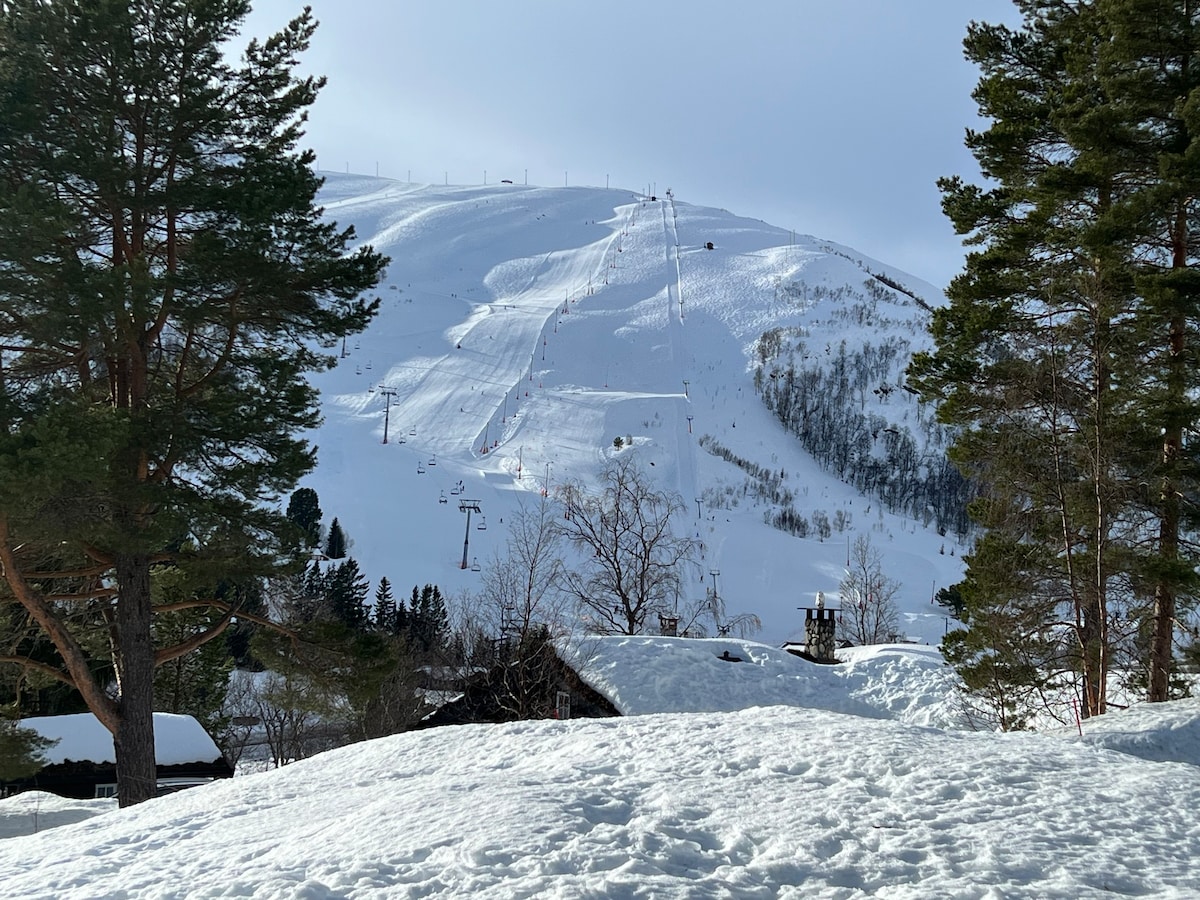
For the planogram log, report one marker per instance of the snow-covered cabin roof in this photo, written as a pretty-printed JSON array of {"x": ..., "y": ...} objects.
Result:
[
  {"x": 178, "y": 740},
  {"x": 644, "y": 675}
]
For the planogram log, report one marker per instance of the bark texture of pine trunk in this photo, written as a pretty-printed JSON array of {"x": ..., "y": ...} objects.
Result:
[{"x": 133, "y": 656}]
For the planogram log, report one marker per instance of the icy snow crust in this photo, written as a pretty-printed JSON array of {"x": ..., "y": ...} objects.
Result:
[
  {"x": 765, "y": 802},
  {"x": 539, "y": 324}
]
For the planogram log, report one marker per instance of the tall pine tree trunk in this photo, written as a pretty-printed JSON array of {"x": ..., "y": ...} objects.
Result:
[
  {"x": 133, "y": 657},
  {"x": 1162, "y": 642}
]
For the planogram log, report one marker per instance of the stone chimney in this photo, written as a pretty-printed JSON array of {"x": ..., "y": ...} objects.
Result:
[{"x": 820, "y": 627}]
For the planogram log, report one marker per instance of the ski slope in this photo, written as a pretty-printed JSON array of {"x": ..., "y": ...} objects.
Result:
[{"x": 524, "y": 328}]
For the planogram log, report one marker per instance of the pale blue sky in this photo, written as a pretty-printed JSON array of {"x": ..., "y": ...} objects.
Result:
[{"x": 832, "y": 118}]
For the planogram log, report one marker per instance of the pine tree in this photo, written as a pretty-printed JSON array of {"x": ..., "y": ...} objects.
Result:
[
  {"x": 1148, "y": 65},
  {"x": 20, "y": 750},
  {"x": 1064, "y": 351},
  {"x": 165, "y": 283},
  {"x": 193, "y": 684}
]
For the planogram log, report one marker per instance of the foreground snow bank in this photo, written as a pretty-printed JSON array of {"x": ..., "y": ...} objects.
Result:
[
  {"x": 758, "y": 803},
  {"x": 1162, "y": 732},
  {"x": 36, "y": 811}
]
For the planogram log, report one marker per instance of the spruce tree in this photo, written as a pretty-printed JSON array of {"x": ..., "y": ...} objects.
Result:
[
  {"x": 304, "y": 509},
  {"x": 166, "y": 285},
  {"x": 385, "y": 607},
  {"x": 401, "y": 620},
  {"x": 429, "y": 622},
  {"x": 335, "y": 543},
  {"x": 346, "y": 591}
]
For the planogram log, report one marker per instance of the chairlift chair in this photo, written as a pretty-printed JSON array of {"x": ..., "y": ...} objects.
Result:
[
  {"x": 420, "y": 469},
  {"x": 442, "y": 497},
  {"x": 482, "y": 526},
  {"x": 433, "y": 460}
]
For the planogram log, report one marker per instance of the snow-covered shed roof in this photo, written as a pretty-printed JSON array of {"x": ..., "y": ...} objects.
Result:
[
  {"x": 178, "y": 740},
  {"x": 644, "y": 675}
]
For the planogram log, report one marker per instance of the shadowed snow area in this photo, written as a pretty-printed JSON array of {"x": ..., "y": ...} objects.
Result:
[
  {"x": 765, "y": 802},
  {"x": 1163, "y": 732}
]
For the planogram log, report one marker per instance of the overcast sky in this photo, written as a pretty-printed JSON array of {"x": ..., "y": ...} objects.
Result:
[{"x": 830, "y": 117}]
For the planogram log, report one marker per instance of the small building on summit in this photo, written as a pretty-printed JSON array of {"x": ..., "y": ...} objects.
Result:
[{"x": 82, "y": 761}]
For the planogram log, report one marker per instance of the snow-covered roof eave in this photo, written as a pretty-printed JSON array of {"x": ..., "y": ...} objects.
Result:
[{"x": 80, "y": 737}]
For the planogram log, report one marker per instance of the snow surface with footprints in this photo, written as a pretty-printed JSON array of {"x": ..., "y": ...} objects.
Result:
[{"x": 763, "y": 802}]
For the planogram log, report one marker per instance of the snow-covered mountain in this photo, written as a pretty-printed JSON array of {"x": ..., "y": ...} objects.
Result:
[{"x": 524, "y": 328}]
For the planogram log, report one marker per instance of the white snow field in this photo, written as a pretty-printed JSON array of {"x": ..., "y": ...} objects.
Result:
[
  {"x": 524, "y": 328},
  {"x": 780, "y": 779},
  {"x": 762, "y": 802},
  {"x": 643, "y": 675},
  {"x": 80, "y": 736}
]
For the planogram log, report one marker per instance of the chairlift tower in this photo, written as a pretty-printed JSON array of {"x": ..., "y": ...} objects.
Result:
[
  {"x": 387, "y": 393},
  {"x": 467, "y": 506}
]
